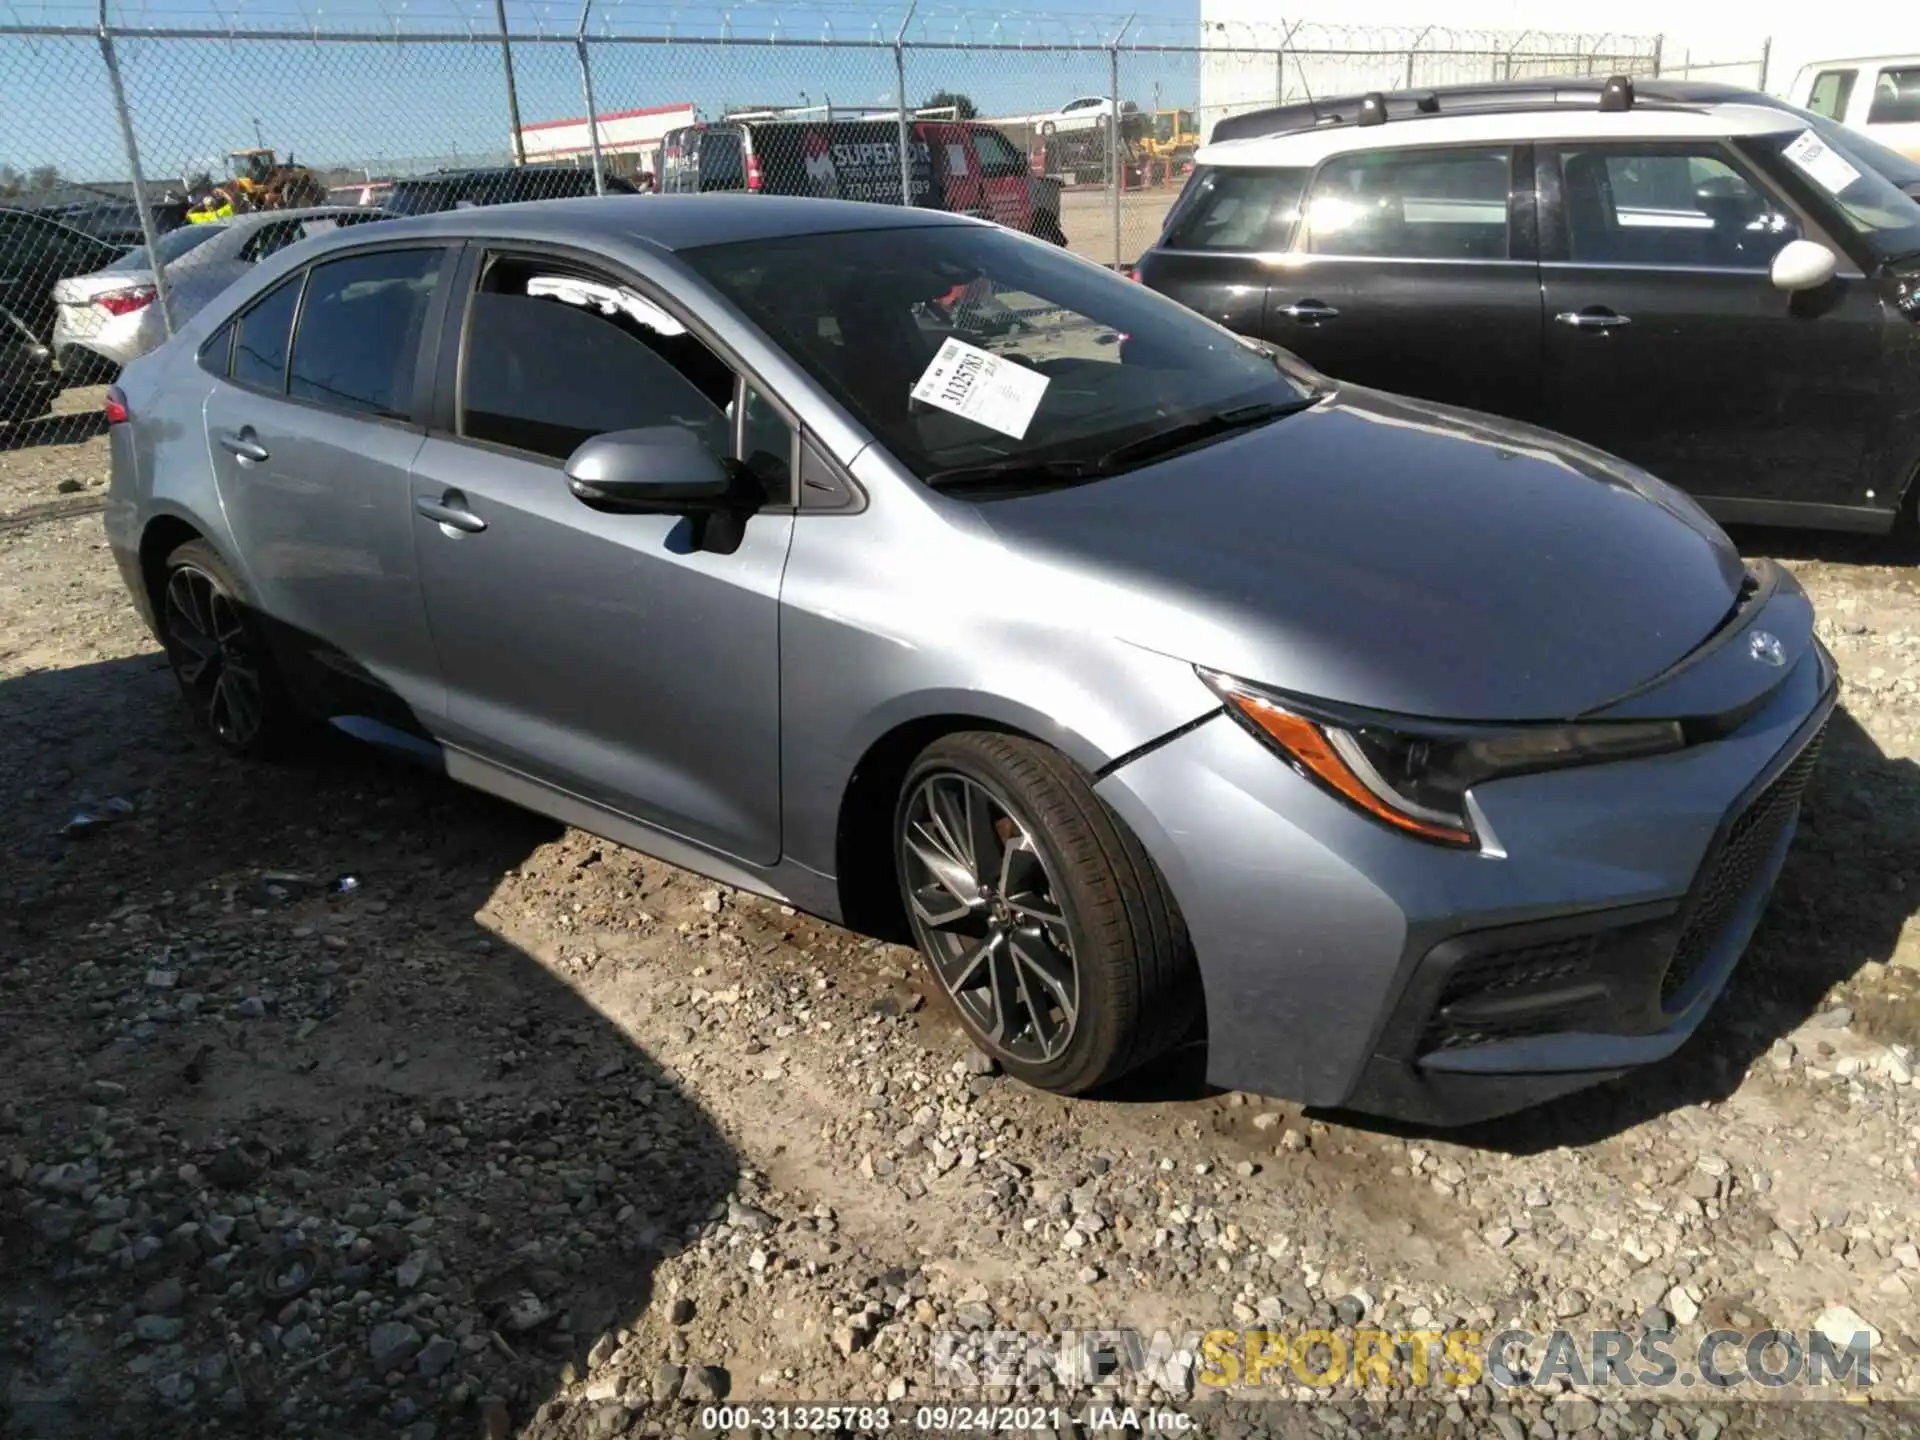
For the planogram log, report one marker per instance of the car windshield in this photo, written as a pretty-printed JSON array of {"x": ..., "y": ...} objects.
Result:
[
  {"x": 172, "y": 246},
  {"x": 966, "y": 348},
  {"x": 1875, "y": 208}
]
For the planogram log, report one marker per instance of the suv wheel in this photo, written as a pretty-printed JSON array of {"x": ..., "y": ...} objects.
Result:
[
  {"x": 217, "y": 654},
  {"x": 1045, "y": 923}
]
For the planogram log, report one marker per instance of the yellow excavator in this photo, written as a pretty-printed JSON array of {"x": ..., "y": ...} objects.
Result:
[
  {"x": 256, "y": 180},
  {"x": 1174, "y": 137}
]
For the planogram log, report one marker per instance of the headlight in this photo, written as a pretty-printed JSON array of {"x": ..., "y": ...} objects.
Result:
[{"x": 1415, "y": 776}]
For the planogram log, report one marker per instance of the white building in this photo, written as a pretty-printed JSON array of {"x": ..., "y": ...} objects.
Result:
[
  {"x": 628, "y": 138},
  {"x": 1349, "y": 46}
]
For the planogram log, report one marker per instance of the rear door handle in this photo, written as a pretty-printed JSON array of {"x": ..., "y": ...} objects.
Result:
[
  {"x": 451, "y": 510},
  {"x": 1592, "y": 319},
  {"x": 1309, "y": 312},
  {"x": 242, "y": 443}
]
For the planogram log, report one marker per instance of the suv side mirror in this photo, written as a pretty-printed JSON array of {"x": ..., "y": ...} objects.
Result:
[
  {"x": 660, "y": 470},
  {"x": 1803, "y": 265}
]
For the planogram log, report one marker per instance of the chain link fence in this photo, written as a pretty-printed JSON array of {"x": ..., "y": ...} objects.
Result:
[{"x": 224, "y": 135}]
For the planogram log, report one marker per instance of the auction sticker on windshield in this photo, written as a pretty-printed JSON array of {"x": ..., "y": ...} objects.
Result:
[
  {"x": 1811, "y": 154},
  {"x": 982, "y": 387}
]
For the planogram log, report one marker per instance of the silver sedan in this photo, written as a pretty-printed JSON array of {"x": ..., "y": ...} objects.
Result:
[{"x": 943, "y": 583}]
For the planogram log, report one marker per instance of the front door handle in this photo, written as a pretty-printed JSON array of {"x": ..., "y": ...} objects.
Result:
[
  {"x": 1594, "y": 317},
  {"x": 1309, "y": 312},
  {"x": 451, "y": 510},
  {"x": 242, "y": 443}
]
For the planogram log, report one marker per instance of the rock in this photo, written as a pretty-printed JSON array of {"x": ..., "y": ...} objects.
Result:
[
  {"x": 1498, "y": 1236},
  {"x": 1784, "y": 1245},
  {"x": 706, "y": 1384},
  {"x": 1570, "y": 1303},
  {"x": 1293, "y": 1141},
  {"x": 1350, "y": 1309},
  {"x": 1841, "y": 1324},
  {"x": 681, "y": 1312},
  {"x": 1246, "y": 1169},
  {"x": 666, "y": 1384},
  {"x": 251, "y": 1008},
  {"x": 602, "y": 1352},
  {"x": 174, "y": 1388},
  {"x": 163, "y": 1297},
  {"x": 602, "y": 1388},
  {"x": 392, "y": 1343},
  {"x": 749, "y": 1217},
  {"x": 1266, "y": 1120},
  {"x": 436, "y": 1356},
  {"x": 1574, "y": 1413},
  {"x": 897, "y": 1389},
  {"x": 527, "y": 1312},
  {"x": 158, "y": 1329},
  {"x": 980, "y": 1063},
  {"x": 1685, "y": 1309},
  {"x": 849, "y": 1338},
  {"x": 411, "y": 1271},
  {"x": 1509, "y": 1427}
]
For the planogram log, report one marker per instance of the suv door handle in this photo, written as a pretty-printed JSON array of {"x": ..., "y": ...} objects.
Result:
[
  {"x": 451, "y": 510},
  {"x": 1593, "y": 318},
  {"x": 1308, "y": 312},
  {"x": 242, "y": 443}
]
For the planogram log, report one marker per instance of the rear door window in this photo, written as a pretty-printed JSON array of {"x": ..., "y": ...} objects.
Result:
[
  {"x": 723, "y": 164},
  {"x": 1670, "y": 206},
  {"x": 1236, "y": 209},
  {"x": 1412, "y": 204},
  {"x": 359, "y": 332},
  {"x": 998, "y": 158},
  {"x": 260, "y": 343},
  {"x": 1832, "y": 89},
  {"x": 1896, "y": 97}
]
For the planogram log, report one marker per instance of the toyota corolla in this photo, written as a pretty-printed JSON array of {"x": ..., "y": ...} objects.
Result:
[{"x": 941, "y": 583}]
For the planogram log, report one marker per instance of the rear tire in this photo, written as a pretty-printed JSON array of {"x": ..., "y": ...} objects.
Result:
[
  {"x": 219, "y": 654},
  {"x": 1042, "y": 920}
]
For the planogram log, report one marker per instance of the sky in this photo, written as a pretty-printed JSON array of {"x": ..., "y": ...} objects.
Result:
[{"x": 400, "y": 106}]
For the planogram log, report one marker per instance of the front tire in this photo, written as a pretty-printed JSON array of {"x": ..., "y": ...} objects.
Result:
[
  {"x": 1041, "y": 918},
  {"x": 219, "y": 655}
]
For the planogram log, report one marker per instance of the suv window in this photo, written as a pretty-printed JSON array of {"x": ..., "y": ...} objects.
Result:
[
  {"x": 1412, "y": 205},
  {"x": 1667, "y": 205},
  {"x": 1832, "y": 89},
  {"x": 359, "y": 331},
  {"x": 1896, "y": 97},
  {"x": 722, "y": 162},
  {"x": 556, "y": 356},
  {"x": 998, "y": 158},
  {"x": 1235, "y": 209},
  {"x": 260, "y": 343}
]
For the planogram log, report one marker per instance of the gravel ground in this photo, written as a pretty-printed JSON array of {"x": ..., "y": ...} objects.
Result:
[{"x": 341, "y": 1101}]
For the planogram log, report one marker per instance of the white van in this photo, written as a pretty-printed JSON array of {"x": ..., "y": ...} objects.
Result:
[{"x": 1879, "y": 96}]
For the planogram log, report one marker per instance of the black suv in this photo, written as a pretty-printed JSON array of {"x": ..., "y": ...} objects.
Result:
[
  {"x": 504, "y": 185},
  {"x": 1719, "y": 291}
]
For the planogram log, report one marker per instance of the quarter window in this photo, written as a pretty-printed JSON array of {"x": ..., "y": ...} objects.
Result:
[
  {"x": 260, "y": 344},
  {"x": 359, "y": 332},
  {"x": 1832, "y": 89},
  {"x": 1896, "y": 97},
  {"x": 556, "y": 356},
  {"x": 1236, "y": 209},
  {"x": 1668, "y": 206},
  {"x": 1417, "y": 205}
]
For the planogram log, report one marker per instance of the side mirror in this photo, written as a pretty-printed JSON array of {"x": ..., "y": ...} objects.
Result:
[
  {"x": 1803, "y": 265},
  {"x": 661, "y": 470}
]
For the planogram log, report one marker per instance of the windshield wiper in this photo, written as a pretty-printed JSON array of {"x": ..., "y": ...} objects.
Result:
[
  {"x": 1216, "y": 426},
  {"x": 1013, "y": 474}
]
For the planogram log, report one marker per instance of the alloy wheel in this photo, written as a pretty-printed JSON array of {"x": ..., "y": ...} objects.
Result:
[
  {"x": 213, "y": 655},
  {"x": 987, "y": 914}
]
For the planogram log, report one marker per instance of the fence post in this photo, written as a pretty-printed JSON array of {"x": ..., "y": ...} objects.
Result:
[
  {"x": 1116, "y": 170},
  {"x": 140, "y": 202},
  {"x": 1659, "y": 44},
  {"x": 1280, "y": 64},
  {"x": 513, "y": 94},
  {"x": 1519, "y": 40},
  {"x": 900, "y": 101},
  {"x": 1766, "y": 59},
  {"x": 1414, "y": 50},
  {"x": 586, "y": 94}
]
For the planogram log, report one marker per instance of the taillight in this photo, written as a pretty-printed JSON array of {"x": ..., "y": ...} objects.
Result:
[
  {"x": 125, "y": 302},
  {"x": 753, "y": 172},
  {"x": 116, "y": 406}
]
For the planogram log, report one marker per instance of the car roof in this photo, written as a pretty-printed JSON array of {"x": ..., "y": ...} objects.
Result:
[
  {"x": 254, "y": 219},
  {"x": 666, "y": 222},
  {"x": 1309, "y": 147}
]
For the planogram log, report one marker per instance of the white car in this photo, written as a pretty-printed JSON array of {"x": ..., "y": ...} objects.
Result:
[
  {"x": 1878, "y": 96},
  {"x": 104, "y": 319},
  {"x": 1085, "y": 113}
]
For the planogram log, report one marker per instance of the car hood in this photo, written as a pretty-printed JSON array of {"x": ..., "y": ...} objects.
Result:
[{"x": 1392, "y": 554}]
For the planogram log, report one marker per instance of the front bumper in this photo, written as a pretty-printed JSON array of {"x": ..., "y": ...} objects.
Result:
[{"x": 1346, "y": 965}]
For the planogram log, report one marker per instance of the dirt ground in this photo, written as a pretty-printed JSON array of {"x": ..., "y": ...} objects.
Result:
[{"x": 339, "y": 1101}]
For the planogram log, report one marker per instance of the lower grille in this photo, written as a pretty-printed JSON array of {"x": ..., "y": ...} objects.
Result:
[
  {"x": 1508, "y": 972},
  {"x": 1730, "y": 873}
]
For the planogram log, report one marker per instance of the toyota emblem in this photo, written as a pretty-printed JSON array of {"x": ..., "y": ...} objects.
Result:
[{"x": 1767, "y": 649}]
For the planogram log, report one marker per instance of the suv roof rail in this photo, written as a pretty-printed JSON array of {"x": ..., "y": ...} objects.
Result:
[{"x": 1613, "y": 95}]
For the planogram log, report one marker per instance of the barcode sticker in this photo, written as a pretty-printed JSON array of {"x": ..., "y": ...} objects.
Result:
[
  {"x": 982, "y": 387},
  {"x": 1811, "y": 154}
]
